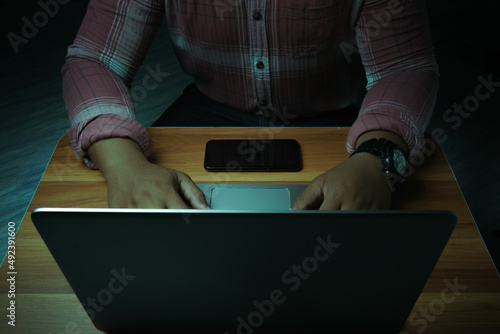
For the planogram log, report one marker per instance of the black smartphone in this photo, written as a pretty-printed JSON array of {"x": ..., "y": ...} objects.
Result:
[{"x": 252, "y": 155}]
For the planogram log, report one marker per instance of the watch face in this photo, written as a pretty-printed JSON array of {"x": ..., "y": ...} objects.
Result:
[{"x": 400, "y": 163}]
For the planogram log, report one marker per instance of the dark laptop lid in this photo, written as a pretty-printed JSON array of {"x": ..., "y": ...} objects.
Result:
[{"x": 245, "y": 272}]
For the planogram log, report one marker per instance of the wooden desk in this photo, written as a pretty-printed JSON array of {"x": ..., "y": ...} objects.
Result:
[{"x": 45, "y": 302}]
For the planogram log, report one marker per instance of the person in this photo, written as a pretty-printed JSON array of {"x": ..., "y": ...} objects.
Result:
[{"x": 253, "y": 62}]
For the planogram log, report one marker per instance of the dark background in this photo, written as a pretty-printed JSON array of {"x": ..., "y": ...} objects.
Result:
[{"x": 33, "y": 115}]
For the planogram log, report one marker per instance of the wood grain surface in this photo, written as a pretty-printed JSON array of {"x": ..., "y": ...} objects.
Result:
[{"x": 45, "y": 302}]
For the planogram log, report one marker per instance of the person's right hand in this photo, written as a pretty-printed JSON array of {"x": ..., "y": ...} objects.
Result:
[
  {"x": 153, "y": 186},
  {"x": 134, "y": 182}
]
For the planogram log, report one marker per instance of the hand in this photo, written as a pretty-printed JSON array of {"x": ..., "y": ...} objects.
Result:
[
  {"x": 134, "y": 182},
  {"x": 356, "y": 184},
  {"x": 151, "y": 186}
]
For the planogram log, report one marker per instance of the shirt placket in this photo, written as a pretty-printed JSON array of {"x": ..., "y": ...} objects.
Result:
[{"x": 259, "y": 57}]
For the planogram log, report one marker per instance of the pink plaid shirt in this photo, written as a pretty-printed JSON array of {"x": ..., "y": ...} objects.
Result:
[{"x": 287, "y": 57}]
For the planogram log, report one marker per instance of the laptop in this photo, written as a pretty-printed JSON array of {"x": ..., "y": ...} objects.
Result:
[{"x": 236, "y": 270}]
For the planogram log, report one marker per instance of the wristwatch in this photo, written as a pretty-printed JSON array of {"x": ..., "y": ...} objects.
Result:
[{"x": 394, "y": 161}]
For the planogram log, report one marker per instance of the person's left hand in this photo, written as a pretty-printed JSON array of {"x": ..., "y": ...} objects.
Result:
[{"x": 356, "y": 184}]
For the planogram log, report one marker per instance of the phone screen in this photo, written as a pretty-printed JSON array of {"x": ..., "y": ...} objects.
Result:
[{"x": 252, "y": 155}]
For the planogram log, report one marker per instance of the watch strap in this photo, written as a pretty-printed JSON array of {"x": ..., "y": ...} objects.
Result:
[{"x": 384, "y": 148}]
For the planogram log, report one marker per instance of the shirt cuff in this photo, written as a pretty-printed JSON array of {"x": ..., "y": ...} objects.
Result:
[
  {"x": 82, "y": 135},
  {"x": 413, "y": 137}
]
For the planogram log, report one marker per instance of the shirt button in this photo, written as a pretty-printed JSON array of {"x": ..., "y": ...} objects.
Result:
[
  {"x": 257, "y": 15},
  {"x": 260, "y": 65}
]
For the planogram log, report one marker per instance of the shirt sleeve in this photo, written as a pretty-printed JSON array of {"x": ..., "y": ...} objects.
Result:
[
  {"x": 100, "y": 65},
  {"x": 394, "y": 43}
]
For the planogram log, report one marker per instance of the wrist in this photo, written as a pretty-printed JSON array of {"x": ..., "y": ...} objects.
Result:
[
  {"x": 392, "y": 159},
  {"x": 391, "y": 136},
  {"x": 116, "y": 156}
]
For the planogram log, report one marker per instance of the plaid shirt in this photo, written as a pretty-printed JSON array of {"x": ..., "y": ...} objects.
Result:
[{"x": 288, "y": 58}]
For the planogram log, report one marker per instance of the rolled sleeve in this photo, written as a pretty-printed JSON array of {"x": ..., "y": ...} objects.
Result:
[
  {"x": 83, "y": 134},
  {"x": 111, "y": 44},
  {"x": 402, "y": 74}
]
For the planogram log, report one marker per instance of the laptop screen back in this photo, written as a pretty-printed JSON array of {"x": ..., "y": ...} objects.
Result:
[{"x": 245, "y": 272}]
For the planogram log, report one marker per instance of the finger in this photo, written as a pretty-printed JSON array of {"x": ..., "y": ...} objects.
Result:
[
  {"x": 174, "y": 201},
  {"x": 310, "y": 198},
  {"x": 157, "y": 198},
  {"x": 349, "y": 205},
  {"x": 331, "y": 202},
  {"x": 367, "y": 205},
  {"x": 356, "y": 203},
  {"x": 191, "y": 192}
]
